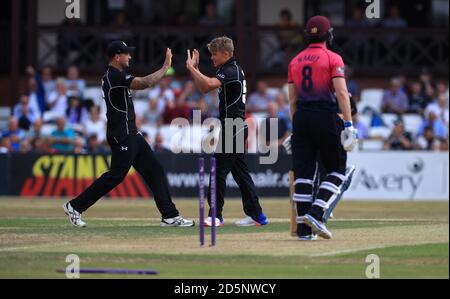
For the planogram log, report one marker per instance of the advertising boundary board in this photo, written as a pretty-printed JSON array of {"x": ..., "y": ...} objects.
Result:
[{"x": 379, "y": 176}]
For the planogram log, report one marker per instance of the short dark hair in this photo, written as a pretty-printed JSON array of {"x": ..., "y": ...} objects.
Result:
[
  {"x": 314, "y": 40},
  {"x": 285, "y": 12}
]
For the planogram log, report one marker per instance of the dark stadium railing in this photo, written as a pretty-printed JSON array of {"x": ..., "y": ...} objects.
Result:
[
  {"x": 371, "y": 51},
  {"x": 264, "y": 49},
  {"x": 5, "y": 49}
]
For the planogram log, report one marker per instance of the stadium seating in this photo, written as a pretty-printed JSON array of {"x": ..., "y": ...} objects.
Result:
[
  {"x": 389, "y": 119},
  {"x": 412, "y": 123},
  {"x": 370, "y": 100},
  {"x": 95, "y": 94},
  {"x": 371, "y": 145},
  {"x": 140, "y": 106},
  {"x": 379, "y": 132},
  {"x": 364, "y": 119},
  {"x": 5, "y": 112}
]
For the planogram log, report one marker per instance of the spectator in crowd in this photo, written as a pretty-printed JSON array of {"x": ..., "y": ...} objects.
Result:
[
  {"x": 24, "y": 113},
  {"x": 442, "y": 89},
  {"x": 427, "y": 85},
  {"x": 427, "y": 141},
  {"x": 57, "y": 100},
  {"x": 288, "y": 35},
  {"x": 363, "y": 131},
  {"x": 443, "y": 146},
  {"x": 283, "y": 109},
  {"x": 203, "y": 107},
  {"x": 158, "y": 146},
  {"x": 283, "y": 103},
  {"x": 179, "y": 109},
  {"x": 122, "y": 31},
  {"x": 37, "y": 145},
  {"x": 433, "y": 121},
  {"x": 190, "y": 94},
  {"x": 36, "y": 91},
  {"x": 258, "y": 100},
  {"x": 440, "y": 108},
  {"x": 211, "y": 17},
  {"x": 394, "y": 99},
  {"x": 95, "y": 125},
  {"x": 75, "y": 85},
  {"x": 173, "y": 83},
  {"x": 47, "y": 80},
  {"x": 281, "y": 130},
  {"x": 212, "y": 100},
  {"x": 286, "y": 19},
  {"x": 25, "y": 146},
  {"x": 358, "y": 19},
  {"x": 403, "y": 82},
  {"x": 163, "y": 94},
  {"x": 36, "y": 96},
  {"x": 352, "y": 85},
  {"x": 417, "y": 101},
  {"x": 93, "y": 146},
  {"x": 152, "y": 115},
  {"x": 76, "y": 114},
  {"x": 5, "y": 145},
  {"x": 14, "y": 133},
  {"x": 399, "y": 138},
  {"x": 42, "y": 145},
  {"x": 62, "y": 138},
  {"x": 36, "y": 130},
  {"x": 394, "y": 19},
  {"x": 79, "y": 146}
]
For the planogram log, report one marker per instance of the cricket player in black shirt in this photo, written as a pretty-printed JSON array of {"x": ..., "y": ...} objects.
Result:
[
  {"x": 230, "y": 80},
  {"x": 128, "y": 146}
]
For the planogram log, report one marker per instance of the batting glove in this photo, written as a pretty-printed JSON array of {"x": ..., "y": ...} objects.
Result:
[
  {"x": 349, "y": 136},
  {"x": 287, "y": 144}
]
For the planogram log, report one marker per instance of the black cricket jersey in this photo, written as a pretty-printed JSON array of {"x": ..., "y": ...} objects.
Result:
[
  {"x": 232, "y": 93},
  {"x": 120, "y": 109}
]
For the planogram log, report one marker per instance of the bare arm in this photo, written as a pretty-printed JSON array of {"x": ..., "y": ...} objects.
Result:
[
  {"x": 205, "y": 84},
  {"x": 292, "y": 97},
  {"x": 140, "y": 83},
  {"x": 340, "y": 86}
]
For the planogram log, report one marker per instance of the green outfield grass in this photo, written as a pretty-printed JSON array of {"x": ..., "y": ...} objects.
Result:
[{"x": 411, "y": 239}]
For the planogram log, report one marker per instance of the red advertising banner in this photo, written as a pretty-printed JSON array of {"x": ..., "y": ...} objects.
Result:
[{"x": 69, "y": 175}]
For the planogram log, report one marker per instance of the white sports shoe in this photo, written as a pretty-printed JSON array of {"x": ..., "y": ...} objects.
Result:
[
  {"x": 74, "y": 216},
  {"x": 311, "y": 237},
  {"x": 247, "y": 221},
  {"x": 317, "y": 227},
  {"x": 208, "y": 222},
  {"x": 177, "y": 222}
]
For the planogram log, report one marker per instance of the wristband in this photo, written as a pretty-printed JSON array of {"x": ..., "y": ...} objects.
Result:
[{"x": 348, "y": 124}]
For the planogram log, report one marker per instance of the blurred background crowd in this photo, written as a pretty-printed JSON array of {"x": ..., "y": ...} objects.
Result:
[{"x": 65, "y": 115}]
